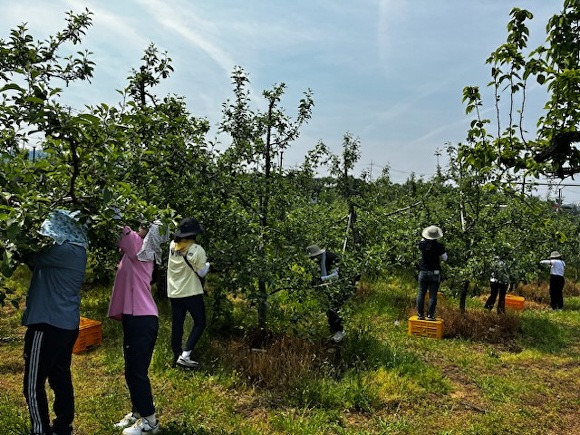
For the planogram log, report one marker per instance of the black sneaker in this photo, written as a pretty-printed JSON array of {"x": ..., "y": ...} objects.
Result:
[
  {"x": 420, "y": 317},
  {"x": 432, "y": 318}
]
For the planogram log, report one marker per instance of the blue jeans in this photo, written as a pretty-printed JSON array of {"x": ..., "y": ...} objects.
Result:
[{"x": 428, "y": 280}]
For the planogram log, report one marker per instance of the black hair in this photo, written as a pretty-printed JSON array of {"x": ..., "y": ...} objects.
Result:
[
  {"x": 144, "y": 224},
  {"x": 179, "y": 239}
]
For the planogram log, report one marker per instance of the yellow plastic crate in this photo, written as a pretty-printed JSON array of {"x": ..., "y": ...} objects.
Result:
[
  {"x": 90, "y": 335},
  {"x": 426, "y": 328},
  {"x": 515, "y": 302}
]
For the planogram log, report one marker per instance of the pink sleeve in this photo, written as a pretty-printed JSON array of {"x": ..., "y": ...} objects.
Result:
[{"x": 130, "y": 243}]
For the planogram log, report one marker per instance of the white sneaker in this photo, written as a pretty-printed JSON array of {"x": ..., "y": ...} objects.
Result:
[
  {"x": 126, "y": 421},
  {"x": 338, "y": 336},
  {"x": 142, "y": 426},
  {"x": 187, "y": 362}
]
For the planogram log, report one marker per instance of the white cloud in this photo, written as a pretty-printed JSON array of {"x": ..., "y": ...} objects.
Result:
[
  {"x": 389, "y": 71},
  {"x": 118, "y": 31},
  {"x": 185, "y": 23}
]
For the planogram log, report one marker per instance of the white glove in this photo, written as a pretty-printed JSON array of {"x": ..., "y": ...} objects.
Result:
[{"x": 203, "y": 272}]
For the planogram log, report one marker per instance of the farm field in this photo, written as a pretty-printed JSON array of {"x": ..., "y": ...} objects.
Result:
[
  {"x": 379, "y": 380},
  {"x": 265, "y": 184}
]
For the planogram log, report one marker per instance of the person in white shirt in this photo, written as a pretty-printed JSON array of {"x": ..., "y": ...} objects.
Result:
[
  {"x": 186, "y": 268},
  {"x": 328, "y": 263},
  {"x": 557, "y": 268}
]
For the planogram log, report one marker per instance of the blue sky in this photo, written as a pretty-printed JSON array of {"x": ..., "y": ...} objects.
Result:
[{"x": 391, "y": 72}]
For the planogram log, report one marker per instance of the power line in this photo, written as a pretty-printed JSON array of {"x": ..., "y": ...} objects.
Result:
[{"x": 548, "y": 184}]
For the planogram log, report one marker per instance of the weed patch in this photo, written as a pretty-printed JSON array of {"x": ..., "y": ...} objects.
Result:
[
  {"x": 480, "y": 325},
  {"x": 280, "y": 365}
]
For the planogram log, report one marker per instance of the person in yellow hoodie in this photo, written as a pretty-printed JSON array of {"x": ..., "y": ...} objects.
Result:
[{"x": 186, "y": 269}]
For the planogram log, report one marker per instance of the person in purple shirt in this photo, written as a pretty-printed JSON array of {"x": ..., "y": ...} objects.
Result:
[{"x": 133, "y": 305}]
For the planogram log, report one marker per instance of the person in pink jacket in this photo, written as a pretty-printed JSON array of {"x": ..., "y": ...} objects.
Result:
[{"x": 133, "y": 305}]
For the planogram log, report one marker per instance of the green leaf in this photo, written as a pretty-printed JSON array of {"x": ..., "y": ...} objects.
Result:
[
  {"x": 7, "y": 267},
  {"x": 107, "y": 195},
  {"x": 88, "y": 118},
  {"x": 13, "y": 230},
  {"x": 11, "y": 87},
  {"x": 35, "y": 100}
]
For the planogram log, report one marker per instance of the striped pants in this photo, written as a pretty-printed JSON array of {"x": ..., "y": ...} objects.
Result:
[{"x": 47, "y": 355}]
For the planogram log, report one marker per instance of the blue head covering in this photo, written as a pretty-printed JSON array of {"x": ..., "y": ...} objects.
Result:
[{"x": 63, "y": 226}]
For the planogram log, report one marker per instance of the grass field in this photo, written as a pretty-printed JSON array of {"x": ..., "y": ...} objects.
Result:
[{"x": 519, "y": 373}]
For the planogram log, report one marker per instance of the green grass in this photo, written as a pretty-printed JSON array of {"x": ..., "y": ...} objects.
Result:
[{"x": 378, "y": 381}]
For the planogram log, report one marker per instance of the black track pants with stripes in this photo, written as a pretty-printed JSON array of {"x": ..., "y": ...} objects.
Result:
[{"x": 47, "y": 355}]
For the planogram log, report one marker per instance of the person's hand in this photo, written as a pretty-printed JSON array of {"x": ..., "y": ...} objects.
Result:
[{"x": 115, "y": 213}]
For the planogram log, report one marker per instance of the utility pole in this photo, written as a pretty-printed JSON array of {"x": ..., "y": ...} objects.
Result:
[{"x": 438, "y": 169}]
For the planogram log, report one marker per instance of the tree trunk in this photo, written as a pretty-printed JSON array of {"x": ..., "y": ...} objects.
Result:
[
  {"x": 353, "y": 225},
  {"x": 463, "y": 295},
  {"x": 262, "y": 305}
]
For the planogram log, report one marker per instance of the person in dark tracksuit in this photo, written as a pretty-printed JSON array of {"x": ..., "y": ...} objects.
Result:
[{"x": 52, "y": 320}]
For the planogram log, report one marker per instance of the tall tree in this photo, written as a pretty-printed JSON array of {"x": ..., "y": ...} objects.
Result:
[
  {"x": 255, "y": 189},
  {"x": 32, "y": 118},
  {"x": 550, "y": 150}
]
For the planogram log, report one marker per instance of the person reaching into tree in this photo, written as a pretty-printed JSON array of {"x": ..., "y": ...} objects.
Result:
[
  {"x": 133, "y": 305},
  {"x": 498, "y": 284},
  {"x": 432, "y": 253},
  {"x": 186, "y": 268},
  {"x": 328, "y": 264},
  {"x": 52, "y": 318},
  {"x": 557, "y": 268}
]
